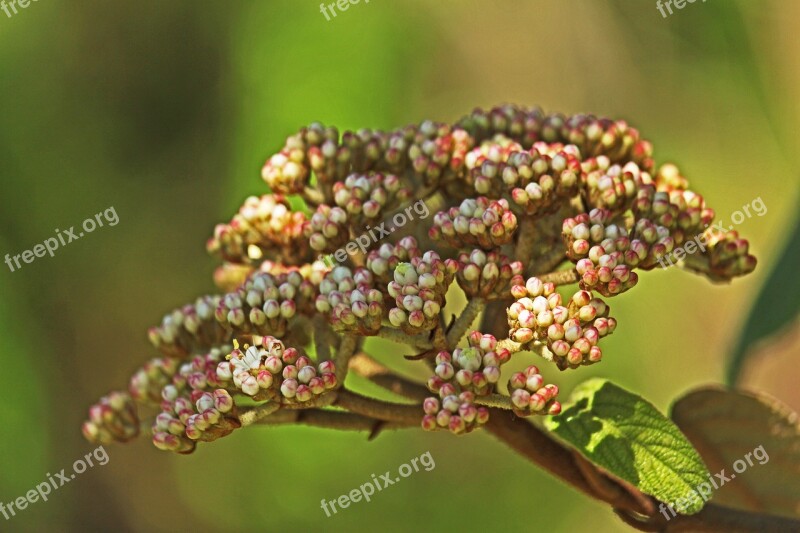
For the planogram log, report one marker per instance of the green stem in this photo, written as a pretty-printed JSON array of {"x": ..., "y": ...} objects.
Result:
[{"x": 464, "y": 321}]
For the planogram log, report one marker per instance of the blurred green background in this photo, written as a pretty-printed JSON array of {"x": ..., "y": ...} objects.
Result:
[{"x": 167, "y": 110}]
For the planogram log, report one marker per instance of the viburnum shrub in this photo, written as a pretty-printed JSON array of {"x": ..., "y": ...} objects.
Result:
[{"x": 539, "y": 220}]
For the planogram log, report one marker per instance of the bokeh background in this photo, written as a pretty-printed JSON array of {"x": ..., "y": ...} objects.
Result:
[{"x": 167, "y": 110}]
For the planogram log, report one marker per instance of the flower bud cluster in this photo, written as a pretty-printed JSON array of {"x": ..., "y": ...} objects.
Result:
[
  {"x": 328, "y": 229},
  {"x": 682, "y": 213},
  {"x": 603, "y": 136},
  {"x": 419, "y": 288},
  {"x": 530, "y": 396},
  {"x": 351, "y": 301},
  {"x": 544, "y": 178},
  {"x": 497, "y": 151},
  {"x": 265, "y": 303},
  {"x": 287, "y": 172},
  {"x": 454, "y": 412},
  {"x": 669, "y": 178},
  {"x": 190, "y": 417},
  {"x": 200, "y": 372},
  {"x": 610, "y": 186},
  {"x": 270, "y": 371},
  {"x": 593, "y": 136},
  {"x": 265, "y": 226},
  {"x": 570, "y": 333},
  {"x": 538, "y": 180},
  {"x": 437, "y": 151},
  {"x": 383, "y": 260},
  {"x": 487, "y": 275},
  {"x": 146, "y": 384},
  {"x": 365, "y": 196},
  {"x": 112, "y": 419},
  {"x": 725, "y": 257},
  {"x": 189, "y": 329},
  {"x": 358, "y": 152},
  {"x": 482, "y": 164},
  {"x": 476, "y": 222},
  {"x": 475, "y": 368},
  {"x": 604, "y": 254}
]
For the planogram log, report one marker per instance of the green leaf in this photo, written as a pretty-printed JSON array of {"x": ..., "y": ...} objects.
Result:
[
  {"x": 728, "y": 426},
  {"x": 777, "y": 304},
  {"x": 627, "y": 436}
]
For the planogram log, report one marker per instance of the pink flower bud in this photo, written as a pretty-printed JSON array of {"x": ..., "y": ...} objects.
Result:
[
  {"x": 520, "y": 398},
  {"x": 289, "y": 388}
]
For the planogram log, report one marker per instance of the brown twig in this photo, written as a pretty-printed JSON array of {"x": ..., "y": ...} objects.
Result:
[
  {"x": 393, "y": 412},
  {"x": 328, "y": 419},
  {"x": 366, "y": 367},
  {"x": 562, "y": 277},
  {"x": 347, "y": 347},
  {"x": 395, "y": 335}
]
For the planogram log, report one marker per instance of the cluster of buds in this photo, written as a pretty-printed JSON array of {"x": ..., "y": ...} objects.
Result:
[
  {"x": 542, "y": 179},
  {"x": 487, "y": 275},
  {"x": 434, "y": 151},
  {"x": 265, "y": 304},
  {"x": 570, "y": 334},
  {"x": 365, "y": 196},
  {"x": 359, "y": 152},
  {"x": 199, "y": 373},
  {"x": 351, "y": 301},
  {"x": 593, "y": 136},
  {"x": 476, "y": 222},
  {"x": 383, "y": 260},
  {"x": 328, "y": 228},
  {"x": 437, "y": 152},
  {"x": 419, "y": 288},
  {"x": 682, "y": 213},
  {"x": 270, "y": 371},
  {"x": 608, "y": 186},
  {"x": 287, "y": 172},
  {"x": 189, "y": 329},
  {"x": 489, "y": 156},
  {"x": 112, "y": 419},
  {"x": 604, "y": 254},
  {"x": 669, "y": 178},
  {"x": 264, "y": 227},
  {"x": 475, "y": 368},
  {"x": 146, "y": 384},
  {"x": 191, "y": 417},
  {"x": 454, "y": 412},
  {"x": 530, "y": 396},
  {"x": 725, "y": 256}
]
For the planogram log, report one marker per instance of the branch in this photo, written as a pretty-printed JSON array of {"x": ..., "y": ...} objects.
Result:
[
  {"x": 562, "y": 277},
  {"x": 463, "y": 322},
  {"x": 495, "y": 400},
  {"x": 347, "y": 347},
  {"x": 366, "y": 367},
  {"x": 340, "y": 420},
  {"x": 252, "y": 415},
  {"x": 395, "y": 335},
  {"x": 322, "y": 337},
  {"x": 525, "y": 239},
  {"x": 371, "y": 407}
]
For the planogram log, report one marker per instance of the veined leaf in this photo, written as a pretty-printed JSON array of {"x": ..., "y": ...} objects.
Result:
[{"x": 627, "y": 436}]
